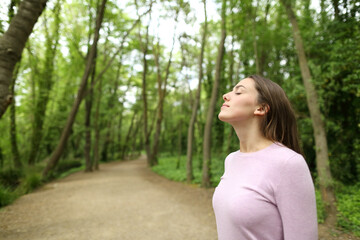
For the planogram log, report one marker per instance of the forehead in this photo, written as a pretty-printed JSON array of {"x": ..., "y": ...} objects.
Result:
[{"x": 246, "y": 83}]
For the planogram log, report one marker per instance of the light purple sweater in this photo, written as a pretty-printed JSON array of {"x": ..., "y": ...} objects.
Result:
[{"x": 266, "y": 195}]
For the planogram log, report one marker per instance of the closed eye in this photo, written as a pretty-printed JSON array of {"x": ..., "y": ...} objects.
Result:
[{"x": 237, "y": 93}]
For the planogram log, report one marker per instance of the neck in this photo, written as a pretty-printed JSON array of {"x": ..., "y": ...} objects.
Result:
[{"x": 250, "y": 137}]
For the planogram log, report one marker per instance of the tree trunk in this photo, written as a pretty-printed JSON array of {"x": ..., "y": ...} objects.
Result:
[
  {"x": 190, "y": 136},
  {"x": 88, "y": 107},
  {"x": 65, "y": 133},
  {"x": 134, "y": 135},
  {"x": 179, "y": 143},
  {"x": 206, "y": 176},
  {"x": 322, "y": 156},
  {"x": 127, "y": 139},
  {"x": 97, "y": 128},
  {"x": 14, "y": 147},
  {"x": 256, "y": 55},
  {"x": 144, "y": 94},
  {"x": 13, "y": 42},
  {"x": 162, "y": 84}
]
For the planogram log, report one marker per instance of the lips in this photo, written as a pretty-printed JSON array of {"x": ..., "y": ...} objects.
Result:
[{"x": 225, "y": 105}]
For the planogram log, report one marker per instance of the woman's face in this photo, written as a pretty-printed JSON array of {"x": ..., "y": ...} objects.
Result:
[{"x": 241, "y": 103}]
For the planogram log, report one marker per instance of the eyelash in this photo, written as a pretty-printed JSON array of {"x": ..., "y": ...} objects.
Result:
[{"x": 237, "y": 93}]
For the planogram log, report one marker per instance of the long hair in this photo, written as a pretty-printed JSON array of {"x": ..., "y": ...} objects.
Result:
[{"x": 279, "y": 123}]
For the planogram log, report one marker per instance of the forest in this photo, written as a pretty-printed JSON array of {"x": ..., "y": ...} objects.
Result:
[{"x": 92, "y": 81}]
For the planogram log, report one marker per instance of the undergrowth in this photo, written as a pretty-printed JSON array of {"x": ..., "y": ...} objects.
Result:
[
  {"x": 348, "y": 197},
  {"x": 15, "y": 183}
]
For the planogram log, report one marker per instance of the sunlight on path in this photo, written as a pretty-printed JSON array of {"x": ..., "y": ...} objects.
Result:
[{"x": 124, "y": 200}]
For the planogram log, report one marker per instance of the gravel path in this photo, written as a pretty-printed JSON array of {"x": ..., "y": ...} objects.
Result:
[{"x": 124, "y": 200}]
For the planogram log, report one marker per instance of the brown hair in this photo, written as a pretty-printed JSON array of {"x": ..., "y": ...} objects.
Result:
[{"x": 279, "y": 123}]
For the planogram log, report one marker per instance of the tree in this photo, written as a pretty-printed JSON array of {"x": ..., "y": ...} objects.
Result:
[
  {"x": 45, "y": 82},
  {"x": 162, "y": 84},
  {"x": 322, "y": 157},
  {"x": 145, "y": 48},
  {"x": 13, "y": 42},
  {"x": 214, "y": 94},
  {"x": 190, "y": 136},
  {"x": 89, "y": 63}
]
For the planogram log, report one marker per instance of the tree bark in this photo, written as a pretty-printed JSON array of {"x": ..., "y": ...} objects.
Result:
[
  {"x": 190, "y": 136},
  {"x": 256, "y": 55},
  {"x": 13, "y": 42},
  {"x": 206, "y": 175},
  {"x": 97, "y": 128},
  {"x": 14, "y": 147},
  {"x": 88, "y": 107},
  {"x": 128, "y": 135},
  {"x": 66, "y": 131},
  {"x": 322, "y": 156}
]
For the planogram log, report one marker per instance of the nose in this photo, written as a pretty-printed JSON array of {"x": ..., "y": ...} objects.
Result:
[{"x": 226, "y": 97}]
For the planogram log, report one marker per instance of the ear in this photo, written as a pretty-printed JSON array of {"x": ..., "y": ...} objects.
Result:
[{"x": 261, "y": 110}]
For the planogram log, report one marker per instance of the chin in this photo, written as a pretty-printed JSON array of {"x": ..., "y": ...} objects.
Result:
[{"x": 221, "y": 117}]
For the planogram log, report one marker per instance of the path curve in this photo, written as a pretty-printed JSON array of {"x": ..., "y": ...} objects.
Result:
[{"x": 122, "y": 201}]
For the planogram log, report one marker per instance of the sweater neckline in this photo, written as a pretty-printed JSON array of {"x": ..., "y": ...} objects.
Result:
[{"x": 259, "y": 151}]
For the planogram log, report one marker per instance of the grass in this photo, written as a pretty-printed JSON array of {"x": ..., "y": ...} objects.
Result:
[
  {"x": 348, "y": 197},
  {"x": 167, "y": 167}
]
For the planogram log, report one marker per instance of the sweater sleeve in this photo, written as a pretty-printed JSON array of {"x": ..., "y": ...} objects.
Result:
[{"x": 295, "y": 199}]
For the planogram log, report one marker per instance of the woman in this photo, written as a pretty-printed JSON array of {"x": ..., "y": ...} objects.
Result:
[{"x": 266, "y": 191}]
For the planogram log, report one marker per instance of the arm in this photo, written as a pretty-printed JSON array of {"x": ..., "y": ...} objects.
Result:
[{"x": 295, "y": 198}]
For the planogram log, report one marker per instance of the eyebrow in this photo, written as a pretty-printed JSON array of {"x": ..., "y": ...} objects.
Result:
[{"x": 238, "y": 86}]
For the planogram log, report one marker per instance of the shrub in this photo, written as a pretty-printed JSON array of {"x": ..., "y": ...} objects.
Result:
[
  {"x": 320, "y": 207},
  {"x": 348, "y": 202},
  {"x": 10, "y": 178},
  {"x": 31, "y": 182},
  {"x": 64, "y": 166},
  {"x": 6, "y": 196}
]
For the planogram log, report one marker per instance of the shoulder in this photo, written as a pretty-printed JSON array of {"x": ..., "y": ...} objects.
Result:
[{"x": 288, "y": 161}]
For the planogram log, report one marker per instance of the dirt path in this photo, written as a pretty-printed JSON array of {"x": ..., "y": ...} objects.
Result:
[{"x": 122, "y": 201}]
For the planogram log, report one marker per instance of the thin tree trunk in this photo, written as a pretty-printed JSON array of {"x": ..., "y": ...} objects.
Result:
[
  {"x": 162, "y": 84},
  {"x": 13, "y": 42},
  {"x": 254, "y": 39},
  {"x": 134, "y": 136},
  {"x": 322, "y": 157},
  {"x": 179, "y": 143},
  {"x": 14, "y": 147},
  {"x": 107, "y": 141},
  {"x": 97, "y": 128},
  {"x": 264, "y": 53},
  {"x": 144, "y": 89},
  {"x": 190, "y": 136},
  {"x": 66, "y": 131},
  {"x": 127, "y": 139},
  {"x": 206, "y": 175},
  {"x": 88, "y": 107}
]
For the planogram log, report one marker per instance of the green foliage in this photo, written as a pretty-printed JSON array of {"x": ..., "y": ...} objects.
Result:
[
  {"x": 10, "y": 178},
  {"x": 70, "y": 171},
  {"x": 6, "y": 196},
  {"x": 66, "y": 165},
  {"x": 167, "y": 167},
  {"x": 320, "y": 207},
  {"x": 31, "y": 181},
  {"x": 348, "y": 204}
]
